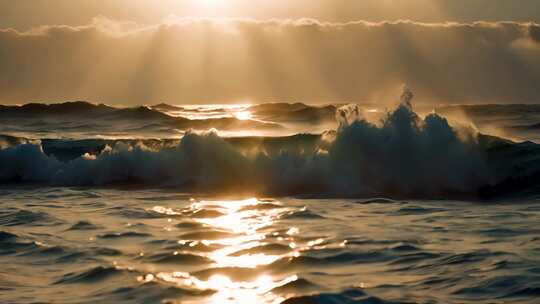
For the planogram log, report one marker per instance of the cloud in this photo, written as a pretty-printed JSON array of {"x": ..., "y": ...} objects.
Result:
[
  {"x": 188, "y": 60},
  {"x": 27, "y": 14}
]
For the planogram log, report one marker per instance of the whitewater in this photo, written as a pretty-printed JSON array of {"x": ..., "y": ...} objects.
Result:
[{"x": 270, "y": 203}]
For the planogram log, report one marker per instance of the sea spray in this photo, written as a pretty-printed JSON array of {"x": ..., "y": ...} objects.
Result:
[{"x": 404, "y": 155}]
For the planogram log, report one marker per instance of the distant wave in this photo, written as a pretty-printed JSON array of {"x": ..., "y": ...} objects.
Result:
[
  {"x": 86, "y": 118},
  {"x": 274, "y": 112},
  {"x": 294, "y": 112},
  {"x": 404, "y": 155},
  {"x": 534, "y": 126},
  {"x": 83, "y": 120},
  {"x": 517, "y": 121}
]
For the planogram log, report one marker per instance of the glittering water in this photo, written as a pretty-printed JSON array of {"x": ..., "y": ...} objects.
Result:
[{"x": 61, "y": 245}]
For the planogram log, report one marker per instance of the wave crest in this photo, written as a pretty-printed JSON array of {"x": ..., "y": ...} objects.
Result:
[{"x": 403, "y": 155}]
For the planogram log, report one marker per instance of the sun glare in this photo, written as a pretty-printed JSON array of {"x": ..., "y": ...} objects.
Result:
[
  {"x": 245, "y": 221},
  {"x": 243, "y": 115}
]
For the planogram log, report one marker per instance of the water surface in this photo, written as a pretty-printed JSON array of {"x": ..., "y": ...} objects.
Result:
[{"x": 66, "y": 245}]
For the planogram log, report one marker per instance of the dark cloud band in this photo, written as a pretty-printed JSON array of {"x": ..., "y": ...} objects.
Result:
[{"x": 202, "y": 60}]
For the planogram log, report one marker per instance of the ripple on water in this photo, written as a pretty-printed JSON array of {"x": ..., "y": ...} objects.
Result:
[
  {"x": 348, "y": 296},
  {"x": 122, "y": 235},
  {"x": 133, "y": 213},
  {"x": 405, "y": 248},
  {"x": 190, "y": 225},
  {"x": 177, "y": 258},
  {"x": 306, "y": 262},
  {"x": 468, "y": 257},
  {"x": 6, "y": 236},
  {"x": 262, "y": 206},
  {"x": 204, "y": 213},
  {"x": 384, "y": 201},
  {"x": 11, "y": 244},
  {"x": 208, "y": 235},
  {"x": 239, "y": 274},
  {"x": 83, "y": 225},
  {"x": 148, "y": 292},
  {"x": 417, "y": 210},
  {"x": 506, "y": 232},
  {"x": 90, "y": 275},
  {"x": 503, "y": 287},
  {"x": 193, "y": 246},
  {"x": 267, "y": 251},
  {"x": 27, "y": 218},
  {"x": 298, "y": 286},
  {"x": 412, "y": 259},
  {"x": 272, "y": 249},
  {"x": 303, "y": 214}
]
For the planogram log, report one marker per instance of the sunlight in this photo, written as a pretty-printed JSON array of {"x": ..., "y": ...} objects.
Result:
[
  {"x": 246, "y": 292},
  {"x": 243, "y": 115},
  {"x": 239, "y": 219},
  {"x": 227, "y": 290},
  {"x": 243, "y": 221}
]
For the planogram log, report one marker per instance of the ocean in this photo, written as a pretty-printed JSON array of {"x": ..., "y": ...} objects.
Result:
[
  {"x": 80, "y": 245},
  {"x": 273, "y": 203}
]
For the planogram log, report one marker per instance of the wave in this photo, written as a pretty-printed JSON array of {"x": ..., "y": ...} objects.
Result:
[
  {"x": 121, "y": 235},
  {"x": 349, "y": 296},
  {"x": 519, "y": 122},
  {"x": 150, "y": 292},
  {"x": 534, "y": 126},
  {"x": 502, "y": 287},
  {"x": 492, "y": 109},
  {"x": 29, "y": 218},
  {"x": 12, "y": 243},
  {"x": 75, "y": 108},
  {"x": 178, "y": 258},
  {"x": 172, "y": 254},
  {"x": 83, "y": 225},
  {"x": 294, "y": 112},
  {"x": 83, "y": 120},
  {"x": 9, "y": 141},
  {"x": 83, "y": 117},
  {"x": 402, "y": 156},
  {"x": 279, "y": 112},
  {"x": 94, "y": 274}
]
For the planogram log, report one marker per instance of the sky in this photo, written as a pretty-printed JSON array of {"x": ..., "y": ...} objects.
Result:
[{"x": 230, "y": 51}]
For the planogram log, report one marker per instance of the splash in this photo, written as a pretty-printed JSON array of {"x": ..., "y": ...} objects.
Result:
[{"x": 402, "y": 155}]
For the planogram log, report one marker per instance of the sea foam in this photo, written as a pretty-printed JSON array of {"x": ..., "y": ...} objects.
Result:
[{"x": 402, "y": 155}]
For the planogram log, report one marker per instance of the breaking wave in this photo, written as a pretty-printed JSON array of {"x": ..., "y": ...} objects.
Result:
[{"x": 402, "y": 155}]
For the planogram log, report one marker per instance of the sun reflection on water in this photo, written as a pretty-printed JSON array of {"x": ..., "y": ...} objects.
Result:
[
  {"x": 243, "y": 223},
  {"x": 246, "y": 223},
  {"x": 243, "y": 115}
]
